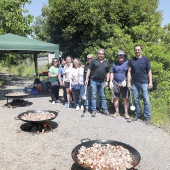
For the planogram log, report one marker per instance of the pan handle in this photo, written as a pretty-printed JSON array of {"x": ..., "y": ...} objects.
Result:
[
  {"x": 30, "y": 110},
  {"x": 16, "y": 118},
  {"x": 85, "y": 140}
]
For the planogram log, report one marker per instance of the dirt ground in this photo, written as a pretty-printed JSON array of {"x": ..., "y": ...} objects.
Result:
[{"x": 22, "y": 150}]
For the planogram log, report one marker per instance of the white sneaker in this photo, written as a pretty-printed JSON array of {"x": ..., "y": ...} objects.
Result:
[
  {"x": 82, "y": 107},
  {"x": 77, "y": 108},
  {"x": 66, "y": 103},
  {"x": 53, "y": 102},
  {"x": 58, "y": 101}
]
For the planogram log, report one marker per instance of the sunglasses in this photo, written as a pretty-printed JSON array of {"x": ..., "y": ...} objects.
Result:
[
  {"x": 121, "y": 55},
  {"x": 89, "y": 58},
  {"x": 55, "y": 61}
]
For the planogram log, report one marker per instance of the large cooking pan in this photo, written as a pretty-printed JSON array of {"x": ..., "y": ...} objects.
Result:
[
  {"x": 134, "y": 153},
  {"x": 17, "y": 96},
  {"x": 36, "y": 111}
]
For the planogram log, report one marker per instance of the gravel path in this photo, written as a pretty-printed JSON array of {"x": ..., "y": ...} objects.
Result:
[{"x": 52, "y": 151}]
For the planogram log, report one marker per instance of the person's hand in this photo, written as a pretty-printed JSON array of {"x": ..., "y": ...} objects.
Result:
[
  {"x": 124, "y": 83},
  {"x": 111, "y": 85},
  {"x": 106, "y": 84},
  {"x": 129, "y": 86},
  {"x": 61, "y": 84},
  {"x": 150, "y": 85},
  {"x": 86, "y": 82}
]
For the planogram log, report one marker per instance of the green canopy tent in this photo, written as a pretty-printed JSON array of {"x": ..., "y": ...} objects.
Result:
[{"x": 10, "y": 43}]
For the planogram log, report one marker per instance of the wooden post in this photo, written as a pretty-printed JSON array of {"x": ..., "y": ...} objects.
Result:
[{"x": 36, "y": 65}]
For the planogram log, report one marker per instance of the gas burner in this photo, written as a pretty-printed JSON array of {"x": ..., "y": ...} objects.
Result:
[
  {"x": 39, "y": 128},
  {"x": 17, "y": 103}
]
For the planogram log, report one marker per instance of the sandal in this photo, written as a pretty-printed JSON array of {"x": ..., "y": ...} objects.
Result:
[
  {"x": 116, "y": 114},
  {"x": 127, "y": 116}
]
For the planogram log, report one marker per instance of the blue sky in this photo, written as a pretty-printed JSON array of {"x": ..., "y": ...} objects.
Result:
[
  {"x": 165, "y": 7},
  {"x": 35, "y": 9}
]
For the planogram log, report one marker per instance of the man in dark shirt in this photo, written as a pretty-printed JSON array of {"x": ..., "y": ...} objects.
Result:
[
  {"x": 140, "y": 72},
  {"x": 98, "y": 68},
  {"x": 88, "y": 92}
]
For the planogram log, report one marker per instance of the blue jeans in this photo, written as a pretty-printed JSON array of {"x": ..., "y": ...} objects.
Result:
[
  {"x": 64, "y": 94},
  {"x": 98, "y": 86},
  {"x": 145, "y": 95},
  {"x": 81, "y": 93},
  {"x": 88, "y": 98},
  {"x": 76, "y": 99}
]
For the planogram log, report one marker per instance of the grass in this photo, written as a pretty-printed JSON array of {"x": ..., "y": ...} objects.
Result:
[{"x": 23, "y": 70}]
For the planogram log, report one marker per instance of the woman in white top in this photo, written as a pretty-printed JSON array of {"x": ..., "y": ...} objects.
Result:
[
  {"x": 66, "y": 78},
  {"x": 77, "y": 83}
]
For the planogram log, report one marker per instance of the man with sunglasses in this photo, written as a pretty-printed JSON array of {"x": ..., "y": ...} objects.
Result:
[
  {"x": 141, "y": 74},
  {"x": 118, "y": 86}
]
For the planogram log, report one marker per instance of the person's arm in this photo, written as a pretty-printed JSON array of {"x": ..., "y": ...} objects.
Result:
[
  {"x": 111, "y": 77},
  {"x": 107, "y": 79},
  {"x": 150, "y": 85},
  {"x": 129, "y": 78},
  {"x": 107, "y": 75},
  {"x": 71, "y": 79},
  {"x": 71, "y": 83},
  {"x": 87, "y": 76},
  {"x": 64, "y": 76},
  {"x": 111, "y": 80},
  {"x": 59, "y": 79},
  {"x": 52, "y": 75}
]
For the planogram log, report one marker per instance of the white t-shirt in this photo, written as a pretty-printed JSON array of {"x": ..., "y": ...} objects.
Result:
[
  {"x": 77, "y": 76},
  {"x": 67, "y": 72}
]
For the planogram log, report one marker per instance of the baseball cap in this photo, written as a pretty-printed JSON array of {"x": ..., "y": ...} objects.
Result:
[{"x": 121, "y": 53}]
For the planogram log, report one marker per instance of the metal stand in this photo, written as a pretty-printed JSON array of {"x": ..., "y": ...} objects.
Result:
[{"x": 13, "y": 99}]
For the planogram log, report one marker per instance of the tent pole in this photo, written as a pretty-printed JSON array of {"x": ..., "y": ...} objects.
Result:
[{"x": 36, "y": 65}]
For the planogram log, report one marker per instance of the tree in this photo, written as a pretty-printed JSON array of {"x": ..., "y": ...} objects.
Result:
[
  {"x": 12, "y": 19},
  {"x": 81, "y": 26}
]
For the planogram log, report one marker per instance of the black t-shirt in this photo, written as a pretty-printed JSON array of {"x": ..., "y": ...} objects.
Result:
[
  {"x": 139, "y": 69},
  {"x": 98, "y": 69}
]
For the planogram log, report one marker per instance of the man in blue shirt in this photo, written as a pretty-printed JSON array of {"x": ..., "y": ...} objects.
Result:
[
  {"x": 118, "y": 77},
  {"x": 141, "y": 74}
]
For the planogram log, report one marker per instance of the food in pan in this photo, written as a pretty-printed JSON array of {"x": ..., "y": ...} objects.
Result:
[
  {"x": 37, "y": 116},
  {"x": 106, "y": 157},
  {"x": 16, "y": 94}
]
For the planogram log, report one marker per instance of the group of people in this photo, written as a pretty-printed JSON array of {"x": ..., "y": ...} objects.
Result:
[{"x": 85, "y": 84}]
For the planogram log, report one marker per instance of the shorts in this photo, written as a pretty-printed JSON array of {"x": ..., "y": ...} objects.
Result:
[
  {"x": 67, "y": 84},
  {"x": 119, "y": 90}
]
